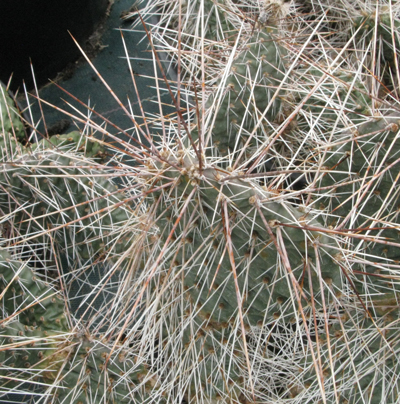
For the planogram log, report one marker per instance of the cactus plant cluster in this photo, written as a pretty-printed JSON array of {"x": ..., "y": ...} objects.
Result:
[{"x": 250, "y": 252}]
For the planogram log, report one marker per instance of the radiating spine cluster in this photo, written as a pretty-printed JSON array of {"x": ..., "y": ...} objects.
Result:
[{"x": 251, "y": 253}]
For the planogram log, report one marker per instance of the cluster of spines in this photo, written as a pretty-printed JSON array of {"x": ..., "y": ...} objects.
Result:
[
  {"x": 339, "y": 107},
  {"x": 58, "y": 185},
  {"x": 48, "y": 187},
  {"x": 214, "y": 229}
]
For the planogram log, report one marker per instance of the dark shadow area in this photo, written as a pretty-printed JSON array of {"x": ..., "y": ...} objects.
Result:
[{"x": 38, "y": 31}]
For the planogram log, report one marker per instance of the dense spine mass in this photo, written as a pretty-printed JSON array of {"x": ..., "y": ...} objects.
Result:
[
  {"x": 56, "y": 181},
  {"x": 250, "y": 254},
  {"x": 45, "y": 349},
  {"x": 248, "y": 92}
]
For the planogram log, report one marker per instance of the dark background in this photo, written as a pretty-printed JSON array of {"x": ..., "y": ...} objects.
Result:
[{"x": 38, "y": 30}]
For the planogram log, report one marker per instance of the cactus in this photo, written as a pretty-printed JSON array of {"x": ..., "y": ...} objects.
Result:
[
  {"x": 248, "y": 92},
  {"x": 48, "y": 184},
  {"x": 40, "y": 347},
  {"x": 259, "y": 253},
  {"x": 10, "y": 118},
  {"x": 215, "y": 16}
]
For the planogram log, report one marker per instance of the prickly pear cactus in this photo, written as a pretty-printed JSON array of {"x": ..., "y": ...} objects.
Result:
[
  {"x": 259, "y": 247},
  {"x": 377, "y": 27},
  {"x": 214, "y": 14},
  {"x": 248, "y": 92},
  {"x": 48, "y": 184},
  {"x": 10, "y": 118},
  {"x": 39, "y": 346}
]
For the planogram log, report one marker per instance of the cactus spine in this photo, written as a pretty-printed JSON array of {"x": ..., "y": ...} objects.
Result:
[{"x": 259, "y": 232}]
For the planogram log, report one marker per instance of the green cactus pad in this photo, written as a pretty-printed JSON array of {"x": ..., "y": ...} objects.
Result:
[
  {"x": 368, "y": 26},
  {"x": 363, "y": 350},
  {"x": 38, "y": 346},
  {"x": 10, "y": 120},
  {"x": 262, "y": 277},
  {"x": 51, "y": 187},
  {"x": 364, "y": 191},
  {"x": 73, "y": 142},
  {"x": 248, "y": 90}
]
